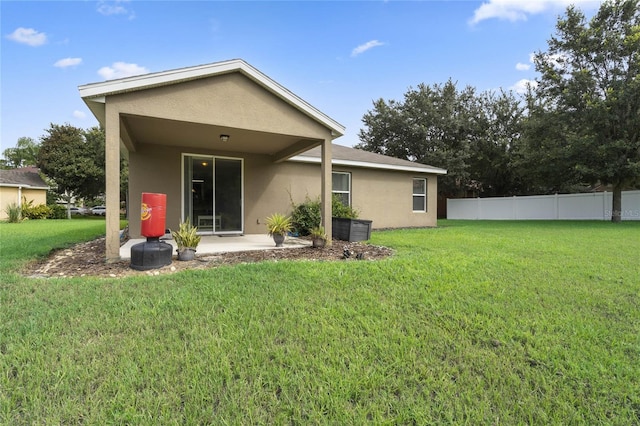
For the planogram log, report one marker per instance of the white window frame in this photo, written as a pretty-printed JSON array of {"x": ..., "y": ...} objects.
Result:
[
  {"x": 423, "y": 195},
  {"x": 348, "y": 192}
]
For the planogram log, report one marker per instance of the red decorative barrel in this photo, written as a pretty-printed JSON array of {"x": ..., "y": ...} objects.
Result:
[{"x": 154, "y": 214}]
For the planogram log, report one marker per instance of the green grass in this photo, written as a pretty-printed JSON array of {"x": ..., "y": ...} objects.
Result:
[{"x": 472, "y": 322}]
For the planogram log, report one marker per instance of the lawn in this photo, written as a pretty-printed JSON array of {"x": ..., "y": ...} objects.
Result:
[{"x": 472, "y": 322}]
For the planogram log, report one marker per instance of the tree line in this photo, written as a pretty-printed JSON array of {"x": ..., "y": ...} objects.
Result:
[
  {"x": 71, "y": 159},
  {"x": 578, "y": 126}
]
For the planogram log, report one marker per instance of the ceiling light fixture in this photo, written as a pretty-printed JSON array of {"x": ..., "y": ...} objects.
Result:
[{"x": 224, "y": 138}]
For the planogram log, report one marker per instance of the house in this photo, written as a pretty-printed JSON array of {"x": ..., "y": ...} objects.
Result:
[
  {"x": 17, "y": 185},
  {"x": 230, "y": 146}
]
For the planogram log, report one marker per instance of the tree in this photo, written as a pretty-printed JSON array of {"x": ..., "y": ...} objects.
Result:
[
  {"x": 431, "y": 126},
  {"x": 499, "y": 126},
  {"x": 544, "y": 157},
  {"x": 74, "y": 159},
  {"x": 471, "y": 135},
  {"x": 24, "y": 154},
  {"x": 590, "y": 81}
]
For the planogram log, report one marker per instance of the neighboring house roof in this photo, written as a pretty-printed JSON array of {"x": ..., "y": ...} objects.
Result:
[
  {"x": 345, "y": 156},
  {"x": 26, "y": 177},
  {"x": 96, "y": 92}
]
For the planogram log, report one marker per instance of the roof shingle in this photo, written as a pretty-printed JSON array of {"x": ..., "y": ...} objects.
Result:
[
  {"x": 26, "y": 176},
  {"x": 343, "y": 155}
]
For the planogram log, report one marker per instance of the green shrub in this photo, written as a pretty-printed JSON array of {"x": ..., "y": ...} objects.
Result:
[
  {"x": 57, "y": 211},
  {"x": 338, "y": 209},
  {"x": 14, "y": 213},
  {"x": 29, "y": 211},
  {"x": 306, "y": 216}
]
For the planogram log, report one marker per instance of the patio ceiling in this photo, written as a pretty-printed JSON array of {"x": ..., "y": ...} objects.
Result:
[{"x": 160, "y": 131}]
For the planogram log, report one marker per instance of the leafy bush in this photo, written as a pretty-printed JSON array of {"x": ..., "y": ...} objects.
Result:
[
  {"x": 14, "y": 213},
  {"x": 29, "y": 211},
  {"x": 57, "y": 211},
  {"x": 306, "y": 216},
  {"x": 338, "y": 209}
]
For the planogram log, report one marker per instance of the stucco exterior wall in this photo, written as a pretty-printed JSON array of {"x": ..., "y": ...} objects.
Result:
[
  {"x": 383, "y": 196},
  {"x": 267, "y": 185},
  {"x": 386, "y": 197},
  {"x": 271, "y": 188},
  {"x": 10, "y": 195},
  {"x": 155, "y": 169},
  {"x": 379, "y": 195},
  {"x": 231, "y": 100}
]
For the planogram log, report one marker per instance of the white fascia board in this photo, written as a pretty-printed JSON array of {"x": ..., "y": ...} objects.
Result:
[
  {"x": 154, "y": 79},
  {"x": 96, "y": 92},
  {"x": 365, "y": 164},
  {"x": 17, "y": 185}
]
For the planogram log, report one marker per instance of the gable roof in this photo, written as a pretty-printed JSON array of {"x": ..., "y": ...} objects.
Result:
[
  {"x": 26, "y": 177},
  {"x": 96, "y": 92},
  {"x": 345, "y": 156}
]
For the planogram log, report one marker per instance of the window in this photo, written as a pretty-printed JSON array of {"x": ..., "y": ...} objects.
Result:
[
  {"x": 419, "y": 195},
  {"x": 341, "y": 186}
]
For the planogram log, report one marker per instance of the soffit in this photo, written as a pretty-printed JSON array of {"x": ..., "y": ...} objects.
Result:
[{"x": 204, "y": 137}]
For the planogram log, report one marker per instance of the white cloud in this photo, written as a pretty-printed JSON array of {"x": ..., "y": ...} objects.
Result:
[
  {"x": 79, "y": 114},
  {"x": 522, "y": 85},
  {"x": 518, "y": 10},
  {"x": 28, "y": 36},
  {"x": 116, "y": 7},
  {"x": 68, "y": 62},
  {"x": 522, "y": 67},
  {"x": 364, "y": 47},
  {"x": 121, "y": 70}
]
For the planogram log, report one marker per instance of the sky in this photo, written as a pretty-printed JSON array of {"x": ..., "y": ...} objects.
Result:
[{"x": 339, "y": 56}]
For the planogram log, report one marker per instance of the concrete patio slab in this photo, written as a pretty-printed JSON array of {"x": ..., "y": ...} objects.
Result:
[{"x": 211, "y": 244}]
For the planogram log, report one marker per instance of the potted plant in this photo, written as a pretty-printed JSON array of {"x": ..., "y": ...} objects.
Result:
[
  {"x": 277, "y": 226},
  {"x": 318, "y": 237},
  {"x": 187, "y": 240}
]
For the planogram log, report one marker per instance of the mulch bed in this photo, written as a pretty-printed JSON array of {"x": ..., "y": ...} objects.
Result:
[{"x": 87, "y": 259}]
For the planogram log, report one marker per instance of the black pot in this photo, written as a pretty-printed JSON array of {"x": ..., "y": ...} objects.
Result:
[{"x": 278, "y": 239}]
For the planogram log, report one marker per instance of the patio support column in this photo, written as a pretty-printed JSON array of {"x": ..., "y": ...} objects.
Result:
[
  {"x": 325, "y": 189},
  {"x": 112, "y": 178}
]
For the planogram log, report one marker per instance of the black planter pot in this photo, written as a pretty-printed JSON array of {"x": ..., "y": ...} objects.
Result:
[
  {"x": 187, "y": 253},
  {"x": 350, "y": 229},
  {"x": 278, "y": 239}
]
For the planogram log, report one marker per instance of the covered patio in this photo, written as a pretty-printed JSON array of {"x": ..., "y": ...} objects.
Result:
[
  {"x": 214, "y": 244},
  {"x": 214, "y": 138}
]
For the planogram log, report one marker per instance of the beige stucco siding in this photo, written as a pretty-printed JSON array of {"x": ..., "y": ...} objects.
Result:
[
  {"x": 154, "y": 169},
  {"x": 268, "y": 187},
  {"x": 383, "y": 196},
  {"x": 380, "y": 195},
  {"x": 231, "y": 100},
  {"x": 9, "y": 195},
  {"x": 386, "y": 197}
]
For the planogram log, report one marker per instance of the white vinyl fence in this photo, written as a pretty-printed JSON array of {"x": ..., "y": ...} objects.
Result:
[{"x": 589, "y": 206}]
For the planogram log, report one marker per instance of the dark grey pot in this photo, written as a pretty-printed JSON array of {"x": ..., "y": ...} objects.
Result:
[
  {"x": 278, "y": 239},
  {"x": 186, "y": 254}
]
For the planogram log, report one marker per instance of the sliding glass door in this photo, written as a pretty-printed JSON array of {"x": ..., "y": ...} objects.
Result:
[{"x": 213, "y": 193}]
